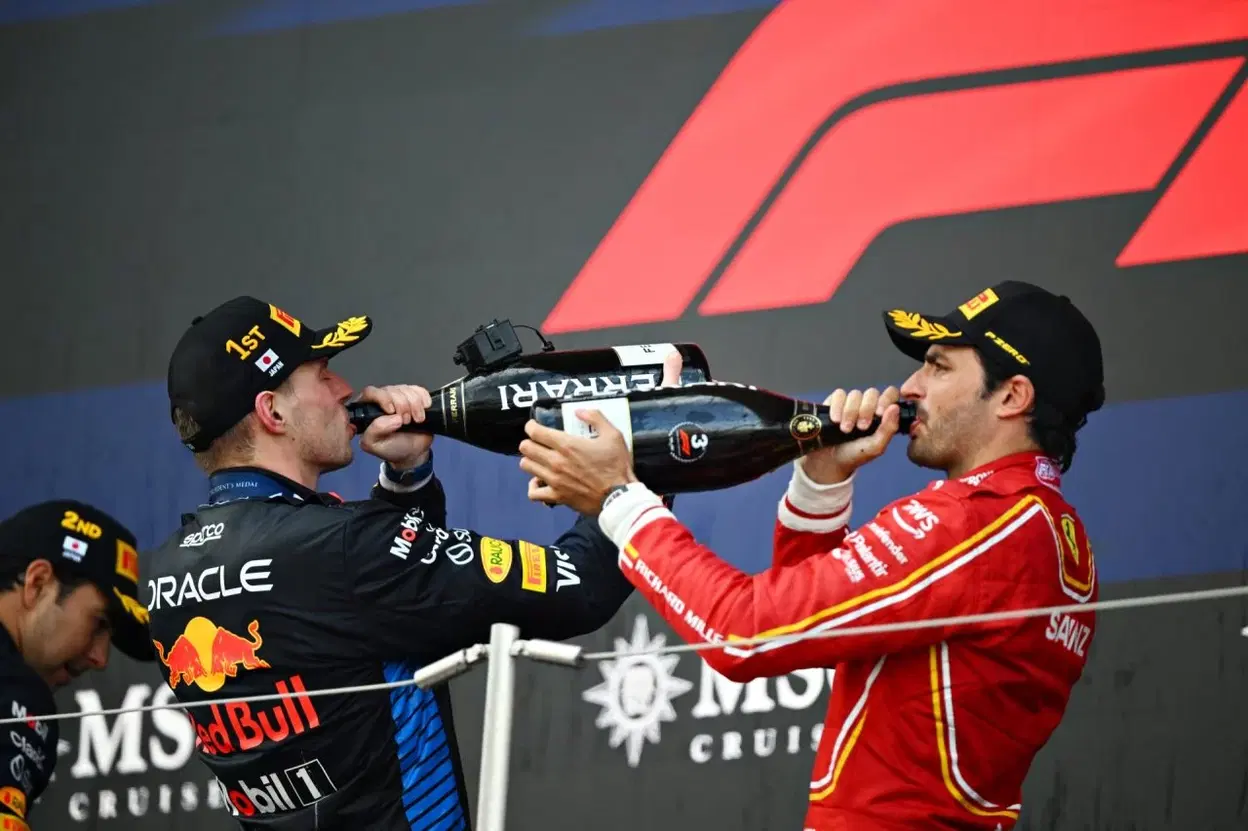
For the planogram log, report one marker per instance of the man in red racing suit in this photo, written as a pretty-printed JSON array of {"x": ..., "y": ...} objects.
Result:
[
  {"x": 937, "y": 724},
  {"x": 930, "y": 727}
]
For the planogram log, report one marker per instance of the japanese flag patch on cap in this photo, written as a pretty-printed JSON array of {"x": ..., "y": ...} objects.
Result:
[{"x": 74, "y": 549}]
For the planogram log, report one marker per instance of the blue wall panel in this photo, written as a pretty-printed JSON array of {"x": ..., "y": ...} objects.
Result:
[{"x": 1178, "y": 463}]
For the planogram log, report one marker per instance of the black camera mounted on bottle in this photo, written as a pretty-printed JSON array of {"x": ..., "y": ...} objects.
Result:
[{"x": 493, "y": 345}]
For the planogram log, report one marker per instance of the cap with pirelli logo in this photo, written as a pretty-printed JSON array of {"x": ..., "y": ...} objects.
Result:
[
  {"x": 83, "y": 541},
  {"x": 1020, "y": 328},
  {"x": 240, "y": 349}
]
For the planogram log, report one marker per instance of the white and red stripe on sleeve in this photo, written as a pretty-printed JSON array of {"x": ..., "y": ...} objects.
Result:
[{"x": 810, "y": 506}]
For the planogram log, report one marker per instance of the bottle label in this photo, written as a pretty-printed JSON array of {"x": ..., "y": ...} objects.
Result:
[
  {"x": 643, "y": 354},
  {"x": 524, "y": 396},
  {"x": 687, "y": 442},
  {"x": 616, "y": 411}
]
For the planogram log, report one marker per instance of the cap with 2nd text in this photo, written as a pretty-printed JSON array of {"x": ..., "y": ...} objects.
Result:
[{"x": 82, "y": 540}]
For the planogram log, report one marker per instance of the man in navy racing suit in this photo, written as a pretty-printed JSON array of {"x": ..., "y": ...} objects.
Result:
[
  {"x": 70, "y": 575},
  {"x": 274, "y": 587}
]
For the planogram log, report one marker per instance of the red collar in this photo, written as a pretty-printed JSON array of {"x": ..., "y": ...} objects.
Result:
[{"x": 1046, "y": 470}]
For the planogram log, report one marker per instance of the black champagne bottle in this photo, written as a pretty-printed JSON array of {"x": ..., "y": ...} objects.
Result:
[
  {"x": 713, "y": 435},
  {"x": 489, "y": 409}
]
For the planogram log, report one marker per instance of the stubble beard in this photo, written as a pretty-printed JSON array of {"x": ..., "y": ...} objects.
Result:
[
  {"x": 926, "y": 453},
  {"x": 327, "y": 444},
  {"x": 941, "y": 446}
]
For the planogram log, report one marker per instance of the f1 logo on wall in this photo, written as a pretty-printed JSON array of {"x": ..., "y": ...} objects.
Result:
[{"x": 838, "y": 119}]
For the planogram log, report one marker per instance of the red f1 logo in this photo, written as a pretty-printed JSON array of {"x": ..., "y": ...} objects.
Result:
[{"x": 838, "y": 119}]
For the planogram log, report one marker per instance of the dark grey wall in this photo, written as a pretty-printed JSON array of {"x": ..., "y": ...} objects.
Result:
[{"x": 438, "y": 169}]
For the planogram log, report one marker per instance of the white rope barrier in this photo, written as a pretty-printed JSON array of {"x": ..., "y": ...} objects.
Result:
[
  {"x": 178, "y": 705},
  {"x": 505, "y": 646},
  {"x": 986, "y": 617},
  {"x": 570, "y": 654},
  {"x": 464, "y": 657}
]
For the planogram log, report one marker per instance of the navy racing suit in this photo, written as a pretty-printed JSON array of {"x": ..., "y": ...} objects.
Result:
[
  {"x": 274, "y": 588},
  {"x": 28, "y": 757}
]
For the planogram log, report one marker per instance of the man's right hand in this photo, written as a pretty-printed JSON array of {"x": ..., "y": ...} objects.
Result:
[{"x": 854, "y": 409}]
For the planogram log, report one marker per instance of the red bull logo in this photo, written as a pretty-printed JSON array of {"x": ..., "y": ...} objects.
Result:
[
  {"x": 206, "y": 654},
  {"x": 242, "y": 726}
]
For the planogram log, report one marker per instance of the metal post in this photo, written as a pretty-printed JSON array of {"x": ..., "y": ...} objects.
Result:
[
  {"x": 500, "y": 688},
  {"x": 444, "y": 669}
]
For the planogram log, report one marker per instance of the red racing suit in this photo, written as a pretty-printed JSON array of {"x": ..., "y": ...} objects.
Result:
[{"x": 930, "y": 728}]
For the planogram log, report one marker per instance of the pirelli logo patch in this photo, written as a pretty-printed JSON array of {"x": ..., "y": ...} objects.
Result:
[
  {"x": 978, "y": 303},
  {"x": 287, "y": 321},
  {"x": 533, "y": 567},
  {"x": 127, "y": 561}
]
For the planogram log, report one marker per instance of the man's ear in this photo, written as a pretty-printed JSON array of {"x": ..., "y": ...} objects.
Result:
[
  {"x": 39, "y": 579},
  {"x": 1017, "y": 397},
  {"x": 268, "y": 411}
]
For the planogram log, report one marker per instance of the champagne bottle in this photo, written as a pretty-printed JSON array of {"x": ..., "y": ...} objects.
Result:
[
  {"x": 488, "y": 409},
  {"x": 710, "y": 435}
]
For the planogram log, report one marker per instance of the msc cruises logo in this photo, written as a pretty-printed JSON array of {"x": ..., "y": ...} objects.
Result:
[{"x": 642, "y": 689}]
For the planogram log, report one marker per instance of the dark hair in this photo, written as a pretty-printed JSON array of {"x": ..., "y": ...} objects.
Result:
[{"x": 1049, "y": 428}]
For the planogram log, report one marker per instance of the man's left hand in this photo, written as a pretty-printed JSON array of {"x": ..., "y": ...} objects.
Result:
[
  {"x": 574, "y": 470},
  {"x": 577, "y": 471}
]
